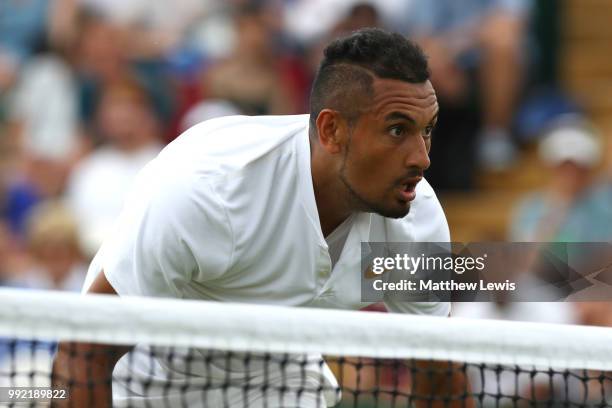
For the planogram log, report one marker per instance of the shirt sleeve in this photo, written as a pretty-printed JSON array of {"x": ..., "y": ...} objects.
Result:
[
  {"x": 425, "y": 223},
  {"x": 174, "y": 232}
]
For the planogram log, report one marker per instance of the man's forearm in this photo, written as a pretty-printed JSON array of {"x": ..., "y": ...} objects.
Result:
[
  {"x": 85, "y": 371},
  {"x": 440, "y": 384}
]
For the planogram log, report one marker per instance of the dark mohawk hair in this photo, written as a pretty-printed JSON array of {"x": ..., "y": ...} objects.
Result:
[{"x": 350, "y": 65}]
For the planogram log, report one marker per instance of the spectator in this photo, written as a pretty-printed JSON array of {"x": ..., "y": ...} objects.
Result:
[
  {"x": 22, "y": 32},
  {"x": 53, "y": 243},
  {"x": 27, "y": 178},
  {"x": 311, "y": 20},
  {"x": 47, "y": 130},
  {"x": 47, "y": 134},
  {"x": 475, "y": 50},
  {"x": 574, "y": 206},
  {"x": 348, "y": 16},
  {"x": 99, "y": 56},
  {"x": 360, "y": 15},
  {"x": 206, "y": 110},
  {"x": 98, "y": 184},
  {"x": 254, "y": 77},
  {"x": 99, "y": 59},
  {"x": 149, "y": 28}
]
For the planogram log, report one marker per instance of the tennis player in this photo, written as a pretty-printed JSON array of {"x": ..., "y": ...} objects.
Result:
[{"x": 273, "y": 210}]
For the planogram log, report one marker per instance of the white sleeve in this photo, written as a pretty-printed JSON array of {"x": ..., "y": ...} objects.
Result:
[
  {"x": 427, "y": 223},
  {"x": 175, "y": 233}
]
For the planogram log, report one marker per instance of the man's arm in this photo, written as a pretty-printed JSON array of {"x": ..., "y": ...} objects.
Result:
[
  {"x": 85, "y": 369},
  {"x": 445, "y": 381}
]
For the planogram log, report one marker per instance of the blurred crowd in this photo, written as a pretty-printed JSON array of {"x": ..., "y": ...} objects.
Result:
[{"x": 91, "y": 90}]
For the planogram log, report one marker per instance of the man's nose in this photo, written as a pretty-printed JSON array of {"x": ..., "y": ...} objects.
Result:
[{"x": 418, "y": 154}]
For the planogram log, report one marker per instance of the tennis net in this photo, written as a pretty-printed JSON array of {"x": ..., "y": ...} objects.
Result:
[{"x": 206, "y": 354}]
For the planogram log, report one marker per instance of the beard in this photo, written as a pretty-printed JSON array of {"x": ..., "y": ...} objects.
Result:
[{"x": 358, "y": 202}]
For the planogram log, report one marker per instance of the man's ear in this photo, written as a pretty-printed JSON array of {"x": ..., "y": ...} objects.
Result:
[{"x": 332, "y": 131}]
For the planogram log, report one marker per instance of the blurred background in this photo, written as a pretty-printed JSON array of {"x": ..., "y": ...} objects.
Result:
[{"x": 90, "y": 90}]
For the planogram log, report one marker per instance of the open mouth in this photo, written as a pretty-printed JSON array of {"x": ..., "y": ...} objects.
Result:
[{"x": 408, "y": 191}]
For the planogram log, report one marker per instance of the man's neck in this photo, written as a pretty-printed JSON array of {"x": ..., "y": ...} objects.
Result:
[
  {"x": 332, "y": 204},
  {"x": 328, "y": 217}
]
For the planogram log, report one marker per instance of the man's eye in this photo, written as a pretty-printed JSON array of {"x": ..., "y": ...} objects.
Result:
[
  {"x": 397, "y": 131},
  {"x": 428, "y": 131}
]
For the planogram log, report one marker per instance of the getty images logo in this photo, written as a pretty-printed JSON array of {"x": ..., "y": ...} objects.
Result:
[{"x": 412, "y": 264}]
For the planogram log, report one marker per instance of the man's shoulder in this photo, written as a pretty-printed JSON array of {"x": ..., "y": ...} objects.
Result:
[
  {"x": 230, "y": 143},
  {"x": 244, "y": 130},
  {"x": 230, "y": 159}
]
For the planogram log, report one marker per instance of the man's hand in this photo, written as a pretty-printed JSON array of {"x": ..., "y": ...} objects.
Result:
[
  {"x": 440, "y": 384},
  {"x": 86, "y": 369}
]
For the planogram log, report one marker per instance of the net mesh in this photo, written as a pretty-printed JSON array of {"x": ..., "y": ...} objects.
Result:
[{"x": 201, "y": 354}]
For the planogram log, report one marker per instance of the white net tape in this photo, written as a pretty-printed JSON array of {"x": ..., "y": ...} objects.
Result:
[{"x": 259, "y": 328}]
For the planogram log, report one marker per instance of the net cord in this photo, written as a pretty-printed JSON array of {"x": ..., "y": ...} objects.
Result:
[{"x": 47, "y": 315}]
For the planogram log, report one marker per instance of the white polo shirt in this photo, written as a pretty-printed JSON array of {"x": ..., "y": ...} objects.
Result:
[{"x": 227, "y": 213}]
